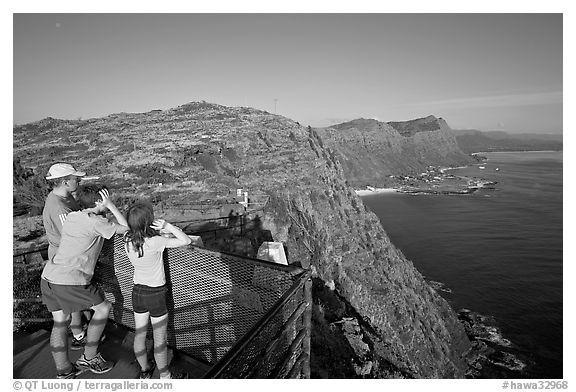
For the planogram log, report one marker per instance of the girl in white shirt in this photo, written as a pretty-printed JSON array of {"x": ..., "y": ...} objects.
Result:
[{"x": 145, "y": 247}]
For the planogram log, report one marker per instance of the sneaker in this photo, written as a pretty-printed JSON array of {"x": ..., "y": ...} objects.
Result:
[
  {"x": 78, "y": 344},
  {"x": 71, "y": 374},
  {"x": 147, "y": 374},
  {"x": 175, "y": 375},
  {"x": 178, "y": 375},
  {"x": 96, "y": 365}
]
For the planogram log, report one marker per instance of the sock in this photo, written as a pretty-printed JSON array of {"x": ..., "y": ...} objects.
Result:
[
  {"x": 59, "y": 347},
  {"x": 95, "y": 329},
  {"x": 79, "y": 336}
]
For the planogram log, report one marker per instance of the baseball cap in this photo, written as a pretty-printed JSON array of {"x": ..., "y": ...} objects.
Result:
[{"x": 59, "y": 170}]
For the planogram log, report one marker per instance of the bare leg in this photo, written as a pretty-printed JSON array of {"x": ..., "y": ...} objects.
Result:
[
  {"x": 76, "y": 323},
  {"x": 96, "y": 327},
  {"x": 141, "y": 323},
  {"x": 59, "y": 342},
  {"x": 160, "y": 327}
]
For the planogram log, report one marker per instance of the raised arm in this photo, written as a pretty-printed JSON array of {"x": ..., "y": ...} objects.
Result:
[
  {"x": 181, "y": 238},
  {"x": 106, "y": 202}
]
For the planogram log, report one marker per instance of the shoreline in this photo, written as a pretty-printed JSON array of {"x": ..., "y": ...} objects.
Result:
[
  {"x": 366, "y": 192},
  {"x": 443, "y": 169},
  {"x": 512, "y": 152},
  {"x": 437, "y": 181}
]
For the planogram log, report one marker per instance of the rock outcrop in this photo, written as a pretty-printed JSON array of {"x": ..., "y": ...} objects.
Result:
[
  {"x": 202, "y": 151},
  {"x": 371, "y": 151}
]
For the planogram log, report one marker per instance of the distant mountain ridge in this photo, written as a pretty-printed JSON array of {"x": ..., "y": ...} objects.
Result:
[
  {"x": 370, "y": 151},
  {"x": 412, "y": 127},
  {"x": 472, "y": 140}
]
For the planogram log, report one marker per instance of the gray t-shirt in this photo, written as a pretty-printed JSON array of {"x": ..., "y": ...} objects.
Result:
[
  {"x": 54, "y": 214},
  {"x": 83, "y": 235}
]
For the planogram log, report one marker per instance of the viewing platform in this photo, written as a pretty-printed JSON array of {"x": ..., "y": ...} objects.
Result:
[
  {"x": 32, "y": 357},
  {"x": 229, "y": 316}
]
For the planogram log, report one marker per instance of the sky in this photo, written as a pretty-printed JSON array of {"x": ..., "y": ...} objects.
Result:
[{"x": 477, "y": 71}]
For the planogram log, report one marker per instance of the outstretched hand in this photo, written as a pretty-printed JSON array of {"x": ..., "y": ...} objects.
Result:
[{"x": 158, "y": 224}]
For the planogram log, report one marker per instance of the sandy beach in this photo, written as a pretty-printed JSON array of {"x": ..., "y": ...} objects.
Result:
[{"x": 366, "y": 192}]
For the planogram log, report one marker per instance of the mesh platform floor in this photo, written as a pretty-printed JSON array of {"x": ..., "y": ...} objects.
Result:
[{"x": 32, "y": 358}]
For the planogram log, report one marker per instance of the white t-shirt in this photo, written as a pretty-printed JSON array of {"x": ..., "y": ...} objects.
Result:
[
  {"x": 83, "y": 235},
  {"x": 149, "y": 269}
]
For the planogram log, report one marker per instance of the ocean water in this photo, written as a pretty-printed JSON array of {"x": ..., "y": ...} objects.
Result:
[{"x": 497, "y": 253}]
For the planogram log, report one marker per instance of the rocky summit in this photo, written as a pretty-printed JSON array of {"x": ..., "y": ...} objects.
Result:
[{"x": 201, "y": 152}]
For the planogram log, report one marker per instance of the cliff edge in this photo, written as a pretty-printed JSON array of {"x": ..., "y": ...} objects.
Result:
[
  {"x": 371, "y": 151},
  {"x": 202, "y": 151}
]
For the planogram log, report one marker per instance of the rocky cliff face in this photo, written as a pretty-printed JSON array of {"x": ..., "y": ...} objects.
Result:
[
  {"x": 371, "y": 151},
  {"x": 201, "y": 151}
]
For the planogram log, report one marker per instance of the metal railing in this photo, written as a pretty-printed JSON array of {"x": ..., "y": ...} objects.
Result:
[
  {"x": 278, "y": 346},
  {"x": 244, "y": 317}
]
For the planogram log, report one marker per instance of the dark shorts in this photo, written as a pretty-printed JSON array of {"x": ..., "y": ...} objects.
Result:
[
  {"x": 149, "y": 299},
  {"x": 69, "y": 298}
]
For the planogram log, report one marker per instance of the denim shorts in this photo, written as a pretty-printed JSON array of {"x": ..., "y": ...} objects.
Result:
[{"x": 149, "y": 299}]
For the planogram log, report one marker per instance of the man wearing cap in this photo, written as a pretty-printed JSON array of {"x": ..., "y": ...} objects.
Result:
[
  {"x": 60, "y": 202},
  {"x": 64, "y": 179}
]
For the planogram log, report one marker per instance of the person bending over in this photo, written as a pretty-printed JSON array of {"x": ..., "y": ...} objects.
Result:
[{"x": 66, "y": 279}]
